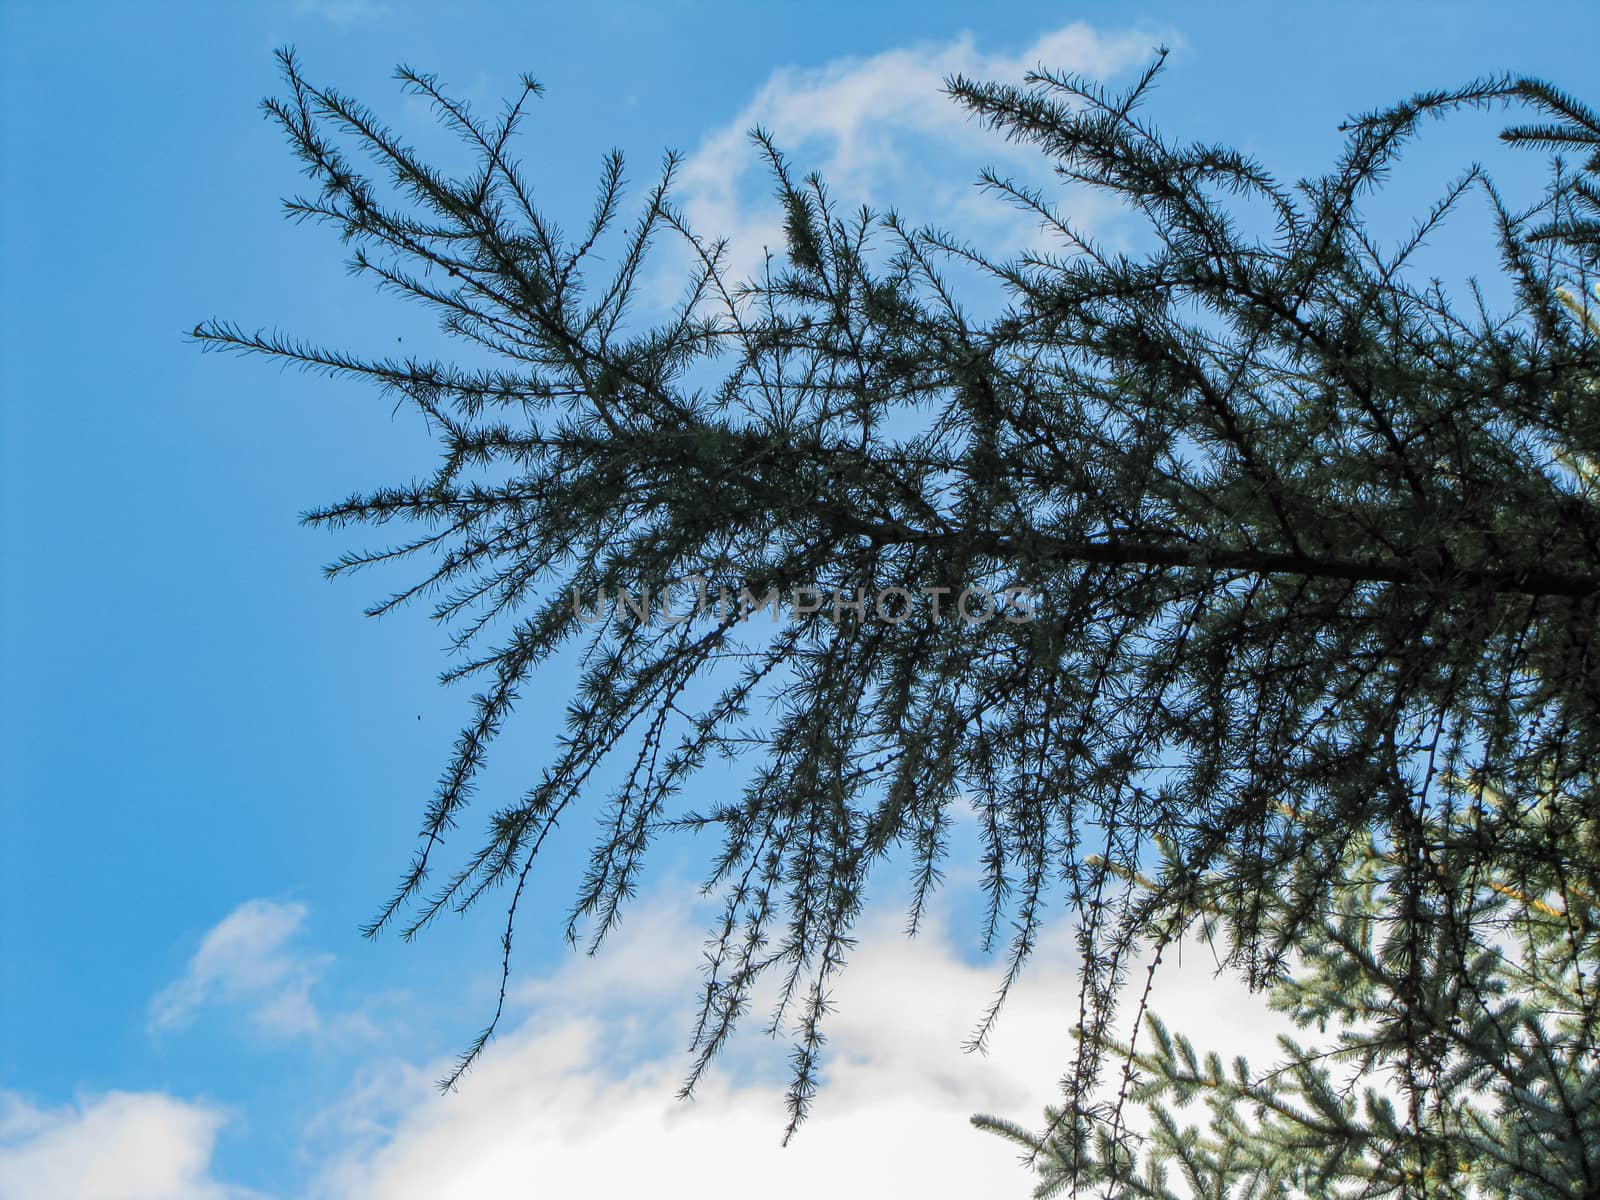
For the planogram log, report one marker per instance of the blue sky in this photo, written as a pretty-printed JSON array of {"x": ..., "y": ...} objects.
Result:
[{"x": 213, "y": 765}]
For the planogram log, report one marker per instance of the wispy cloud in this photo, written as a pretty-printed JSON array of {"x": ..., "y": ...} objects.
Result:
[
  {"x": 247, "y": 962},
  {"x": 591, "y": 1057},
  {"x": 117, "y": 1146},
  {"x": 881, "y": 132},
  {"x": 592, "y": 1060}
]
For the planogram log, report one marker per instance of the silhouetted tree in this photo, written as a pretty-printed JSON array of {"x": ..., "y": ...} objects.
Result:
[{"x": 1302, "y": 546}]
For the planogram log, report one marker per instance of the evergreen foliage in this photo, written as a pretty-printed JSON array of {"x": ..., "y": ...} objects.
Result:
[
  {"x": 1299, "y": 523},
  {"x": 1465, "y": 1061},
  {"x": 1456, "y": 1067}
]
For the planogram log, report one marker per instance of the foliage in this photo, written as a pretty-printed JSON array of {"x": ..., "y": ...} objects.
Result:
[
  {"x": 1298, "y": 525},
  {"x": 1465, "y": 1061},
  {"x": 1457, "y": 1067}
]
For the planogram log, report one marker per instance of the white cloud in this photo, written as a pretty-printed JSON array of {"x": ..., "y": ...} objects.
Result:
[
  {"x": 577, "y": 1098},
  {"x": 118, "y": 1146},
  {"x": 881, "y": 131},
  {"x": 246, "y": 963},
  {"x": 591, "y": 1057}
]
